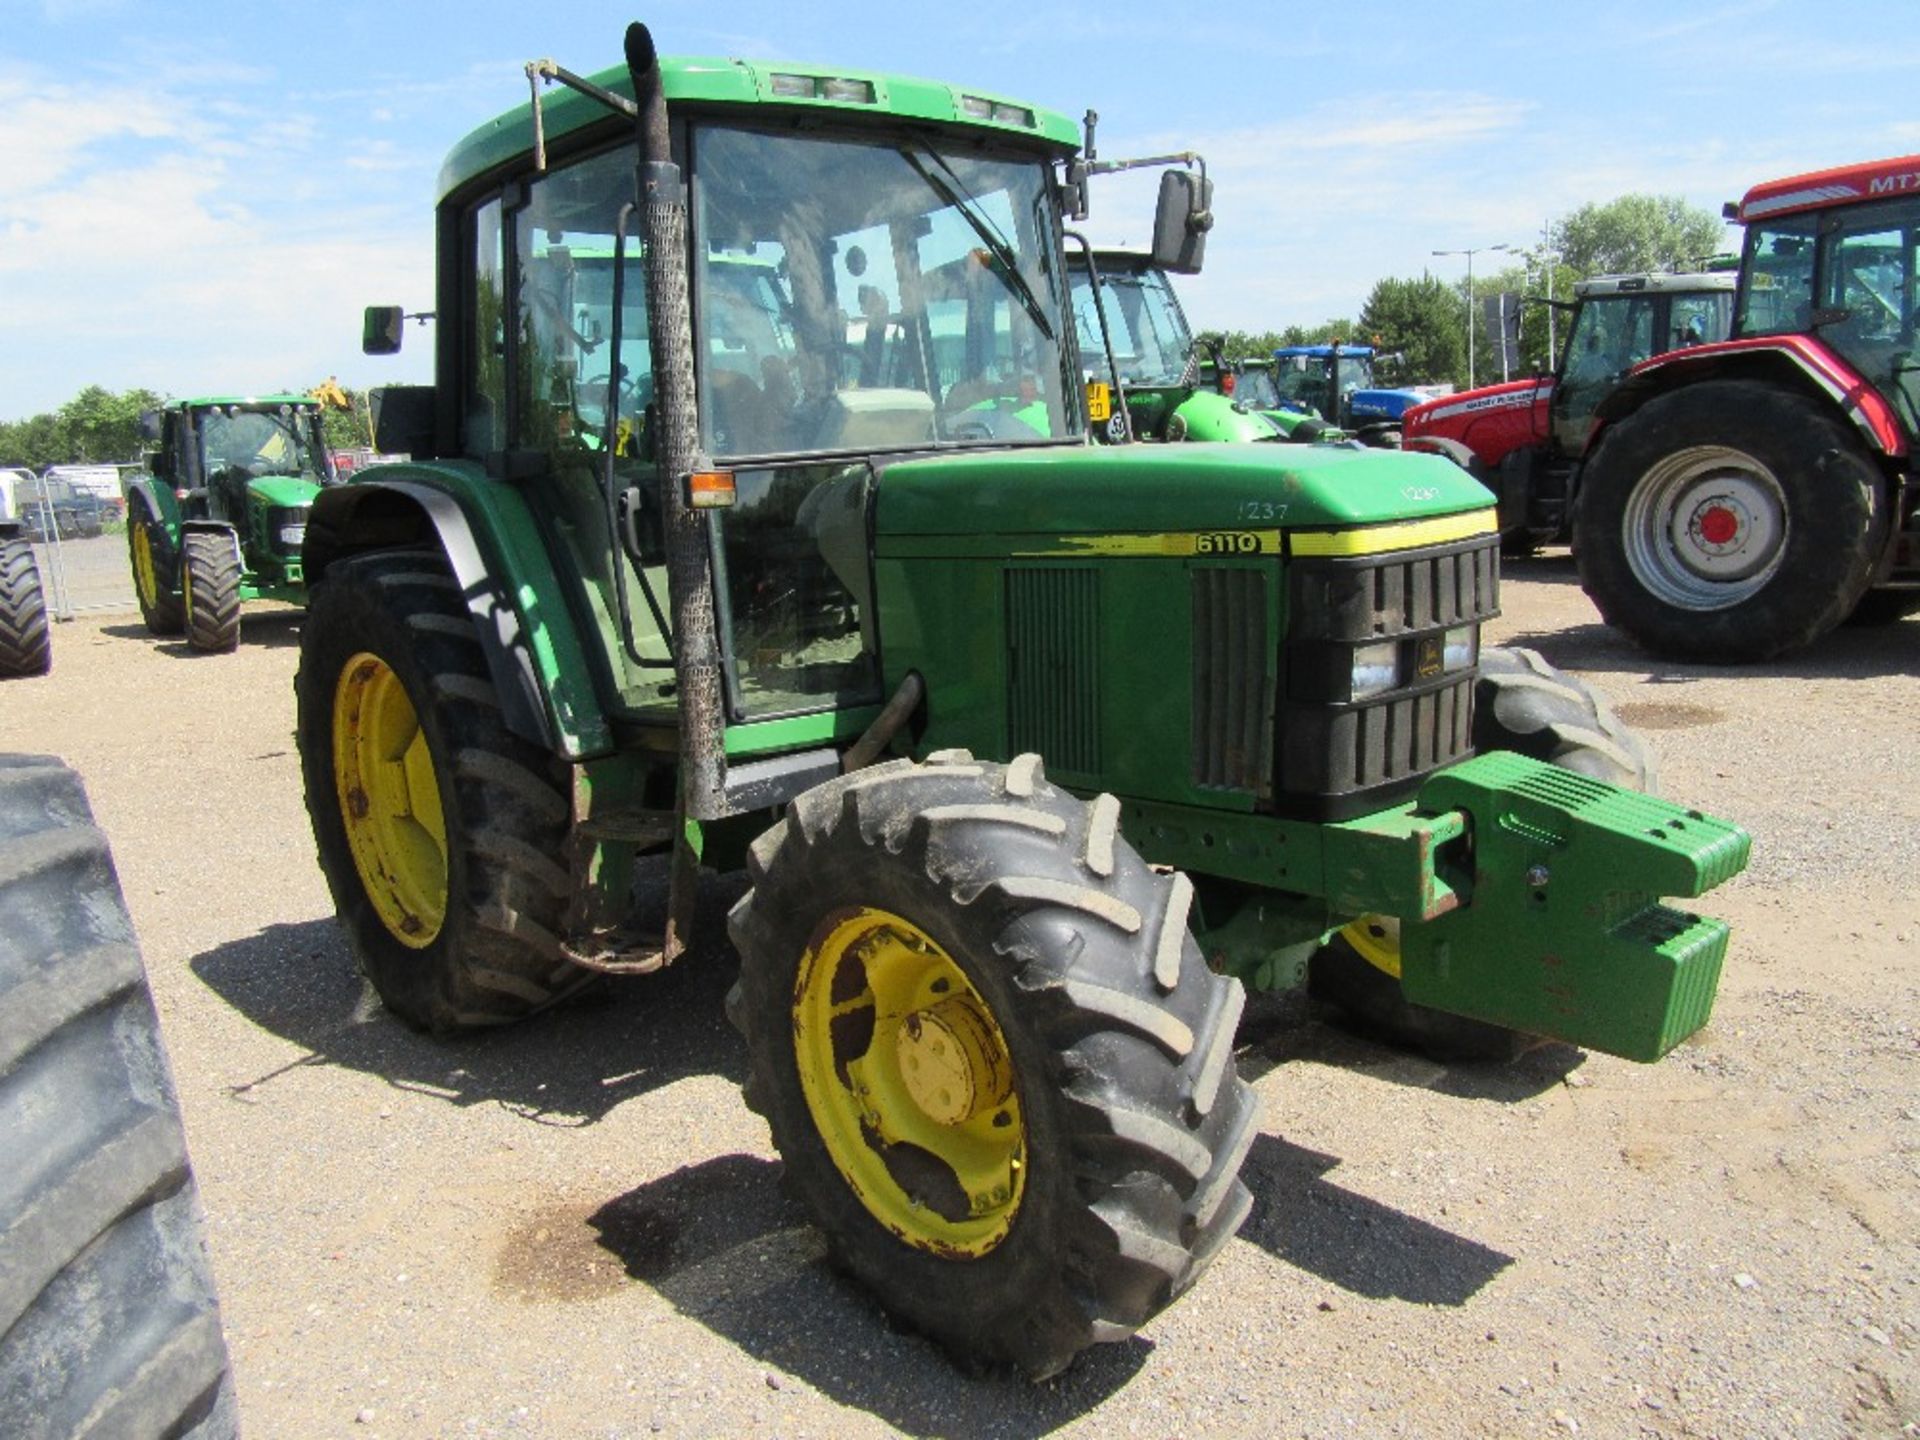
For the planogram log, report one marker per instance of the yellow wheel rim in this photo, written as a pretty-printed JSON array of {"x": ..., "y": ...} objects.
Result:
[
  {"x": 144, "y": 580},
  {"x": 186, "y": 586},
  {"x": 910, "y": 1083},
  {"x": 1377, "y": 939},
  {"x": 390, "y": 800}
]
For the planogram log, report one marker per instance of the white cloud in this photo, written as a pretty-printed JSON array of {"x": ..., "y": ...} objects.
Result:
[{"x": 193, "y": 235}]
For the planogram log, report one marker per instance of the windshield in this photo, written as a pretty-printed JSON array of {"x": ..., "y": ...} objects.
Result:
[
  {"x": 854, "y": 296},
  {"x": 1151, "y": 342},
  {"x": 1302, "y": 381},
  {"x": 1255, "y": 389},
  {"x": 244, "y": 444}
]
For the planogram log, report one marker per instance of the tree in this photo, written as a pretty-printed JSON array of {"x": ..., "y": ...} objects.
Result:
[
  {"x": 1250, "y": 344},
  {"x": 1637, "y": 232},
  {"x": 102, "y": 426},
  {"x": 1421, "y": 320}
]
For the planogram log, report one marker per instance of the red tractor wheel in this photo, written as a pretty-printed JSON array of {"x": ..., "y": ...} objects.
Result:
[{"x": 1729, "y": 521}]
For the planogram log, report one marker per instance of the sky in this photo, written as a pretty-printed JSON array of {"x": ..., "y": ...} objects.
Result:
[{"x": 203, "y": 197}]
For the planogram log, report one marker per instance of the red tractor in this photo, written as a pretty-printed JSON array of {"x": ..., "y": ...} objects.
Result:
[
  {"x": 1741, "y": 499},
  {"x": 1525, "y": 439}
]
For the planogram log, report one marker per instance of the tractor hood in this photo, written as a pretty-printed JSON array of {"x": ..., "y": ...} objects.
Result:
[
  {"x": 1149, "y": 489},
  {"x": 283, "y": 491}
]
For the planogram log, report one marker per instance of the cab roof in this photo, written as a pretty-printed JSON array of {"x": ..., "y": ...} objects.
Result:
[
  {"x": 1820, "y": 189},
  {"x": 1656, "y": 281},
  {"x": 773, "y": 86},
  {"x": 202, "y": 402}
]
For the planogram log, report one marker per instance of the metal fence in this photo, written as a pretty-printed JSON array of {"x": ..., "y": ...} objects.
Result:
[{"x": 79, "y": 541}]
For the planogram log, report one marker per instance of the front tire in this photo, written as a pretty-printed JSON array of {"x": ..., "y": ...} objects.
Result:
[
  {"x": 996, "y": 1066},
  {"x": 210, "y": 590},
  {"x": 1728, "y": 521},
  {"x": 156, "y": 567},
  {"x": 440, "y": 832},
  {"x": 1520, "y": 703},
  {"x": 108, "y": 1321},
  {"x": 26, "y": 644}
]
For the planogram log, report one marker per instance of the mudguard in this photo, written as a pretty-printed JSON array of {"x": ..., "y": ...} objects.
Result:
[{"x": 532, "y": 651}]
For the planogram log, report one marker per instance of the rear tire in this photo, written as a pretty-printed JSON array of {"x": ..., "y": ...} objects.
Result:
[
  {"x": 1728, "y": 521},
  {"x": 26, "y": 645},
  {"x": 156, "y": 570},
  {"x": 1072, "y": 1203},
  {"x": 1520, "y": 703},
  {"x": 455, "y": 900},
  {"x": 210, "y": 590},
  {"x": 108, "y": 1321},
  {"x": 1884, "y": 607}
]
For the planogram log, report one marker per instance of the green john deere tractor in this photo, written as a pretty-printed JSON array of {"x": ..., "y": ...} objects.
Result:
[
  {"x": 785, "y": 547},
  {"x": 221, "y": 513}
]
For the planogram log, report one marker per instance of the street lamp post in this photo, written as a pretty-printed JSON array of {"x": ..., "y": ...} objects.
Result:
[
  {"x": 1547, "y": 257},
  {"x": 1470, "y": 253}
]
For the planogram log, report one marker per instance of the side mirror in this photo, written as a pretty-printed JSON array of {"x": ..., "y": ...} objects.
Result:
[
  {"x": 150, "y": 421},
  {"x": 380, "y": 331},
  {"x": 403, "y": 419},
  {"x": 1181, "y": 221}
]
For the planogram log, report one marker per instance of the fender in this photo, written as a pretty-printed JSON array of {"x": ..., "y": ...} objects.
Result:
[
  {"x": 216, "y": 527},
  {"x": 1459, "y": 454},
  {"x": 1792, "y": 359},
  {"x": 533, "y": 651},
  {"x": 160, "y": 500}
]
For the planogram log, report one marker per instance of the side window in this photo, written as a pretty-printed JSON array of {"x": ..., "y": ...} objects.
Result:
[
  {"x": 1866, "y": 275},
  {"x": 563, "y": 247},
  {"x": 486, "y": 399},
  {"x": 1698, "y": 319},
  {"x": 1777, "y": 296}
]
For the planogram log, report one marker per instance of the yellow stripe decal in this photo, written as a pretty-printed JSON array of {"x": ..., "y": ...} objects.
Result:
[
  {"x": 1375, "y": 539},
  {"x": 1198, "y": 542}
]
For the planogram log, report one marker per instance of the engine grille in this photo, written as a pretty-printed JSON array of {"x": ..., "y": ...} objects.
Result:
[
  {"x": 1232, "y": 691},
  {"x": 1053, "y": 668},
  {"x": 1338, "y": 755}
]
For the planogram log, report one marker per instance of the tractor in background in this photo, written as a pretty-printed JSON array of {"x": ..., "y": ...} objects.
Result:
[
  {"x": 220, "y": 515},
  {"x": 1165, "y": 383},
  {"x": 1526, "y": 439},
  {"x": 787, "y": 549},
  {"x": 1742, "y": 498},
  {"x": 1335, "y": 382}
]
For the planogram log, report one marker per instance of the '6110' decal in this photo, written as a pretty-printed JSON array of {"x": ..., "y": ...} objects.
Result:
[{"x": 1185, "y": 542}]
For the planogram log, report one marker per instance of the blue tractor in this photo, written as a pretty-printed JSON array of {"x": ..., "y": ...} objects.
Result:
[{"x": 1335, "y": 382}]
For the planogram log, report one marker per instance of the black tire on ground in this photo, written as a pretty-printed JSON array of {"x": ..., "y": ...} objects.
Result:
[
  {"x": 1884, "y": 607},
  {"x": 1727, "y": 521},
  {"x": 1520, "y": 703},
  {"x": 1119, "y": 1038},
  {"x": 108, "y": 1320},
  {"x": 496, "y": 956},
  {"x": 26, "y": 645},
  {"x": 156, "y": 585},
  {"x": 210, "y": 590}
]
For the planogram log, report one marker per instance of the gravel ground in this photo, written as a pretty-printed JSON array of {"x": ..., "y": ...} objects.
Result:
[{"x": 574, "y": 1228}]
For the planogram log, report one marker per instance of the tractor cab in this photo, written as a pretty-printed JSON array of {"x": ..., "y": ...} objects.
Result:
[
  {"x": 1169, "y": 392},
  {"x": 1619, "y": 321},
  {"x": 1847, "y": 277}
]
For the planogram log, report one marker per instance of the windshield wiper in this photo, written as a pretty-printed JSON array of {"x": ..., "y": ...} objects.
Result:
[{"x": 1002, "y": 252}]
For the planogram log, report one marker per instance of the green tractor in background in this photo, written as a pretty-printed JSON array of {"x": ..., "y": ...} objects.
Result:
[
  {"x": 1160, "y": 382},
  {"x": 221, "y": 514},
  {"x": 786, "y": 548}
]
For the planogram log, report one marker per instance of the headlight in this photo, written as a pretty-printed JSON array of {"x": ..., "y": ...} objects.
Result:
[
  {"x": 1462, "y": 648},
  {"x": 1376, "y": 668},
  {"x": 292, "y": 534}
]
